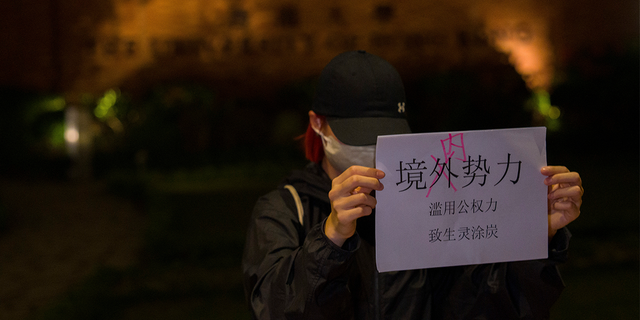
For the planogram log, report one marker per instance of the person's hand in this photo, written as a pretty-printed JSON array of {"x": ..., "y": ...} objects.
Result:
[
  {"x": 351, "y": 199},
  {"x": 564, "y": 197}
]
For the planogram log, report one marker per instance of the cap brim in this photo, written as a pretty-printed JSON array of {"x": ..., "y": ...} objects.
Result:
[{"x": 365, "y": 131}]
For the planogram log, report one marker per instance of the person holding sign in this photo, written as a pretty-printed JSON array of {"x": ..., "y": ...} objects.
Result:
[{"x": 310, "y": 248}]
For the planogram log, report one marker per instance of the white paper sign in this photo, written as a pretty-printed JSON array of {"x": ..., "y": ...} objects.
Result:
[{"x": 458, "y": 198}]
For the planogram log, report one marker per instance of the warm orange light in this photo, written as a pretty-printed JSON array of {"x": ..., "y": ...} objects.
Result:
[{"x": 520, "y": 30}]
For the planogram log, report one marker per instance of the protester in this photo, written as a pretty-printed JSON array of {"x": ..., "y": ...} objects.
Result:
[{"x": 310, "y": 247}]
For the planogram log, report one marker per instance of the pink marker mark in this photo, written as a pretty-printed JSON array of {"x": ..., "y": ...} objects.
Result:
[
  {"x": 448, "y": 150},
  {"x": 448, "y": 146}
]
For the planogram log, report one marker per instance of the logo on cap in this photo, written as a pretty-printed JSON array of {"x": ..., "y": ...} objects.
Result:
[{"x": 400, "y": 107}]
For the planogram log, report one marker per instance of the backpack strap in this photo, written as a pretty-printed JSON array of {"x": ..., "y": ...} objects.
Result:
[{"x": 296, "y": 198}]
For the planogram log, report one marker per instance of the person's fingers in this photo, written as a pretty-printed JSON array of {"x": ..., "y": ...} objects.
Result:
[
  {"x": 568, "y": 178},
  {"x": 573, "y": 192},
  {"x": 359, "y": 199},
  {"x": 360, "y": 183},
  {"x": 551, "y": 170},
  {"x": 359, "y": 171},
  {"x": 355, "y": 184},
  {"x": 563, "y": 205},
  {"x": 350, "y": 199},
  {"x": 361, "y": 190},
  {"x": 349, "y": 216},
  {"x": 565, "y": 196}
]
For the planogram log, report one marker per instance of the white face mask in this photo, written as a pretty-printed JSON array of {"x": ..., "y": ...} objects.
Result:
[{"x": 342, "y": 156}]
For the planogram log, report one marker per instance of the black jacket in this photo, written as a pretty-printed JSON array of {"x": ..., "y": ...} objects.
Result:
[{"x": 293, "y": 271}]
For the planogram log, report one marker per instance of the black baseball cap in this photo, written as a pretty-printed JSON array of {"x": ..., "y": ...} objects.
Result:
[{"x": 362, "y": 97}]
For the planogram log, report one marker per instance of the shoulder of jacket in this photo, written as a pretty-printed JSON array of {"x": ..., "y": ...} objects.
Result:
[{"x": 278, "y": 202}]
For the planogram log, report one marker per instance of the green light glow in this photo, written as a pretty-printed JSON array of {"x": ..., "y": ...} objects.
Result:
[
  {"x": 544, "y": 103},
  {"x": 554, "y": 113},
  {"x": 105, "y": 104},
  {"x": 43, "y": 105},
  {"x": 540, "y": 103},
  {"x": 55, "y": 104},
  {"x": 553, "y": 124},
  {"x": 56, "y": 135}
]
